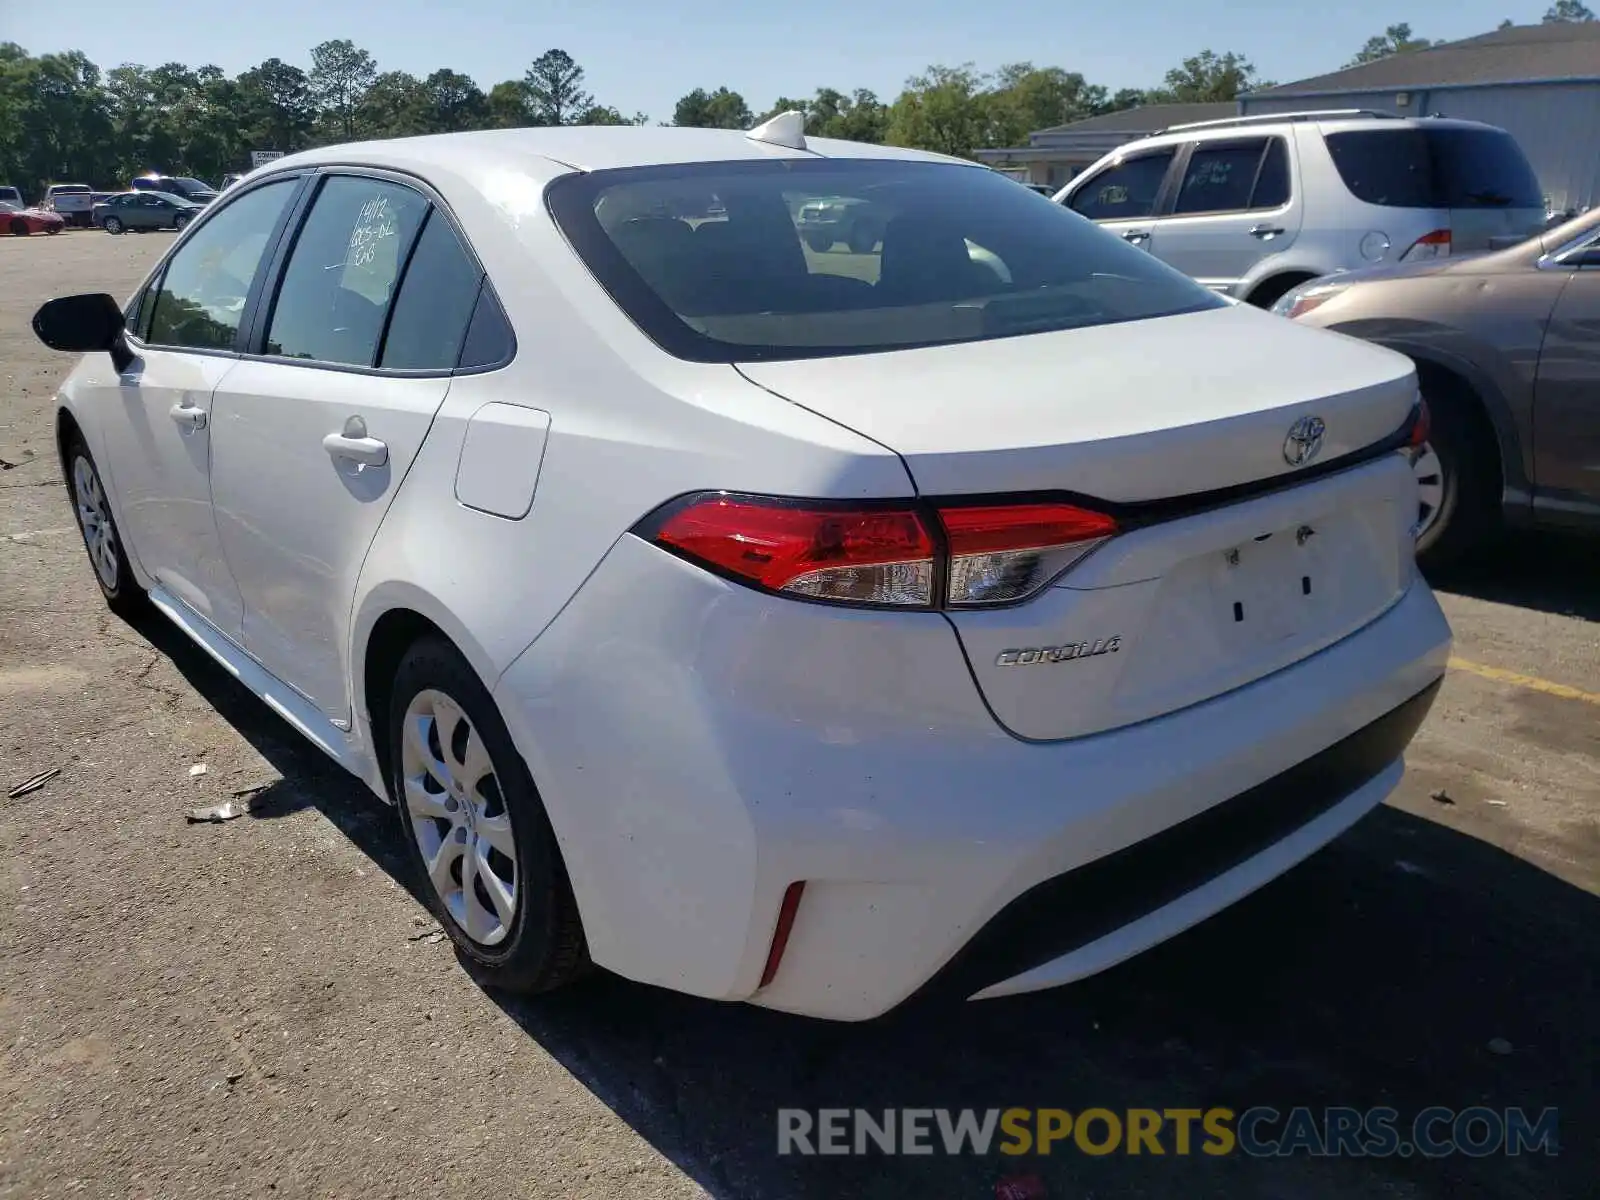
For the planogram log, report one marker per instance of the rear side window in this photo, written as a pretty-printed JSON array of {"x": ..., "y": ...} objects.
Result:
[
  {"x": 342, "y": 272},
  {"x": 434, "y": 307},
  {"x": 1234, "y": 176},
  {"x": 1127, "y": 191},
  {"x": 1435, "y": 168},
  {"x": 933, "y": 253},
  {"x": 203, "y": 291},
  {"x": 489, "y": 341}
]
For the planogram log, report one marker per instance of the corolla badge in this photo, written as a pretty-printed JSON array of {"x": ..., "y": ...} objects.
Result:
[
  {"x": 1067, "y": 652},
  {"x": 1304, "y": 441}
]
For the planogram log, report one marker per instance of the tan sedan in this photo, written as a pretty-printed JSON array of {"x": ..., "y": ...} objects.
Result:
[{"x": 1507, "y": 347}]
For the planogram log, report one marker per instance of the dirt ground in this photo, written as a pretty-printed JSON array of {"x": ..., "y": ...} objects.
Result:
[{"x": 262, "y": 1008}]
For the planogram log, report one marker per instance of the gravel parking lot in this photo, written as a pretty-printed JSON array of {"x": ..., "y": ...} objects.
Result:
[{"x": 262, "y": 1008}]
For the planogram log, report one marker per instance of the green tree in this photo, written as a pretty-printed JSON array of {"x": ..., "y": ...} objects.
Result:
[
  {"x": 508, "y": 105},
  {"x": 945, "y": 109},
  {"x": 278, "y": 109},
  {"x": 1026, "y": 98},
  {"x": 340, "y": 75},
  {"x": 1396, "y": 39},
  {"x": 1208, "y": 77},
  {"x": 720, "y": 109},
  {"x": 1570, "y": 12},
  {"x": 396, "y": 104},
  {"x": 555, "y": 89},
  {"x": 454, "y": 102},
  {"x": 604, "y": 114}
]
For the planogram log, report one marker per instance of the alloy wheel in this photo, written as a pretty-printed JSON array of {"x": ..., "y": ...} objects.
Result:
[
  {"x": 457, "y": 814},
  {"x": 1429, "y": 471},
  {"x": 94, "y": 518}
]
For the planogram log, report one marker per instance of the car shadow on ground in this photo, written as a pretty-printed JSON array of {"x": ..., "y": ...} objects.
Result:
[
  {"x": 1544, "y": 571},
  {"x": 1407, "y": 965}
]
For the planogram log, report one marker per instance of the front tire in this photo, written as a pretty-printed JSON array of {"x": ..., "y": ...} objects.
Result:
[
  {"x": 101, "y": 537},
  {"x": 475, "y": 830},
  {"x": 19, "y": 227},
  {"x": 863, "y": 237},
  {"x": 819, "y": 242}
]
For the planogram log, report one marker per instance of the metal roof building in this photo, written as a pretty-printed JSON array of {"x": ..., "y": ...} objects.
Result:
[
  {"x": 1053, "y": 156},
  {"x": 1541, "y": 83}
]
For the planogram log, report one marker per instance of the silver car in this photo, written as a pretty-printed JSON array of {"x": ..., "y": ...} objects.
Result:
[{"x": 142, "y": 211}]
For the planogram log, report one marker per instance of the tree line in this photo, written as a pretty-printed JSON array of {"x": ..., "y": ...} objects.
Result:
[{"x": 64, "y": 119}]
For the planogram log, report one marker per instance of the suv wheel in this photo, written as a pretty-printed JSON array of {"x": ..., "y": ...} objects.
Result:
[{"x": 475, "y": 829}]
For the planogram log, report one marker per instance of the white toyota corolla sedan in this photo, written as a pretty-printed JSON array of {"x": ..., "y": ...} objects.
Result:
[{"x": 970, "y": 603}]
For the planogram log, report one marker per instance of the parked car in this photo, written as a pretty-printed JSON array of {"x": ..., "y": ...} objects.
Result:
[
  {"x": 10, "y": 195},
  {"x": 1253, "y": 206},
  {"x": 825, "y": 220},
  {"x": 143, "y": 211},
  {"x": 20, "y": 222},
  {"x": 184, "y": 186},
  {"x": 74, "y": 201},
  {"x": 720, "y": 618},
  {"x": 1508, "y": 361}
]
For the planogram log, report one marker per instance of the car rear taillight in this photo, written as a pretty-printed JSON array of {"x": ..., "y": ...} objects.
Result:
[
  {"x": 854, "y": 555},
  {"x": 1421, "y": 426},
  {"x": 1429, "y": 245},
  {"x": 1005, "y": 553},
  {"x": 893, "y": 554}
]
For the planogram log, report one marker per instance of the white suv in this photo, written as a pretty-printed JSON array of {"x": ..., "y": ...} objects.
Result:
[{"x": 1252, "y": 206}]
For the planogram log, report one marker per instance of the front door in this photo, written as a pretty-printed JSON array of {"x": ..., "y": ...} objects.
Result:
[
  {"x": 1566, "y": 412},
  {"x": 1122, "y": 196},
  {"x": 313, "y": 438},
  {"x": 158, "y": 412},
  {"x": 1233, "y": 208}
]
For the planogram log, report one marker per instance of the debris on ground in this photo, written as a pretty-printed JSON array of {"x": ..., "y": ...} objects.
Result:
[
  {"x": 1442, "y": 796},
  {"x": 1497, "y": 803},
  {"x": 197, "y": 770},
  {"x": 430, "y": 936},
  {"x": 33, "y": 783},
  {"x": 218, "y": 813}
]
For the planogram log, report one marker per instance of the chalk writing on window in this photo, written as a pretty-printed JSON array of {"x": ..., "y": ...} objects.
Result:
[{"x": 374, "y": 224}]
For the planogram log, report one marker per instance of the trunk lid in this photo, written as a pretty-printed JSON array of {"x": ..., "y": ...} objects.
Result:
[{"x": 1177, "y": 608}]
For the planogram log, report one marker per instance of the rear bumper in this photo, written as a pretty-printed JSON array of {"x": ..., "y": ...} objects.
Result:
[{"x": 700, "y": 747}]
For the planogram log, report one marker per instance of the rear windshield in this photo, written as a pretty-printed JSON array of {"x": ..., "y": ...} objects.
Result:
[
  {"x": 1436, "y": 168},
  {"x": 798, "y": 259},
  {"x": 70, "y": 189}
]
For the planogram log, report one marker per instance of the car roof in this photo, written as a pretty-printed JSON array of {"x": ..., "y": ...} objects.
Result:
[{"x": 588, "y": 148}]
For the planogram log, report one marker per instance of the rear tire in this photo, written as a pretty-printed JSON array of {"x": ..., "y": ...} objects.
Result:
[
  {"x": 108, "y": 557},
  {"x": 112, "y": 225},
  {"x": 1467, "y": 489},
  {"x": 863, "y": 237},
  {"x": 463, "y": 798},
  {"x": 1271, "y": 291},
  {"x": 819, "y": 242},
  {"x": 179, "y": 221}
]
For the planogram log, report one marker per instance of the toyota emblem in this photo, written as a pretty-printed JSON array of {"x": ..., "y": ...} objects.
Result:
[{"x": 1304, "y": 441}]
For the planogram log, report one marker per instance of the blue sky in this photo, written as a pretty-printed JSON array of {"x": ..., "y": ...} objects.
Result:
[{"x": 644, "y": 54}]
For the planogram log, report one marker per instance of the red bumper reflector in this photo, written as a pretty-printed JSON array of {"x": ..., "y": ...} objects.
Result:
[{"x": 780, "y": 935}]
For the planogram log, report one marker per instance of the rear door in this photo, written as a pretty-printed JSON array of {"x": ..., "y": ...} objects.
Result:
[
  {"x": 1125, "y": 195},
  {"x": 314, "y": 432},
  {"x": 1233, "y": 206}
]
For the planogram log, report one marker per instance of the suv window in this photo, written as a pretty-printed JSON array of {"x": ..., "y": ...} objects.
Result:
[
  {"x": 202, "y": 294},
  {"x": 959, "y": 254},
  {"x": 1125, "y": 191},
  {"x": 1435, "y": 168},
  {"x": 434, "y": 305},
  {"x": 342, "y": 271},
  {"x": 1234, "y": 176}
]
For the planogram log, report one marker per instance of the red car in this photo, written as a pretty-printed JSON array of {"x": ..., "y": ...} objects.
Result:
[{"x": 20, "y": 222}]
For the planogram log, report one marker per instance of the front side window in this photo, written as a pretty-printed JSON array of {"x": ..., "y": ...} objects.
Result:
[
  {"x": 1234, "y": 176},
  {"x": 202, "y": 295},
  {"x": 343, "y": 269},
  {"x": 925, "y": 253},
  {"x": 1125, "y": 192}
]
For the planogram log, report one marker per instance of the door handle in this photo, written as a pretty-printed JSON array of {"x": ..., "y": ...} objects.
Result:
[
  {"x": 1136, "y": 235},
  {"x": 355, "y": 446},
  {"x": 1265, "y": 232},
  {"x": 188, "y": 415}
]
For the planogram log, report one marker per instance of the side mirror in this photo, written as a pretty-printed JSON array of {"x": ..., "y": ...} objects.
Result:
[{"x": 84, "y": 324}]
